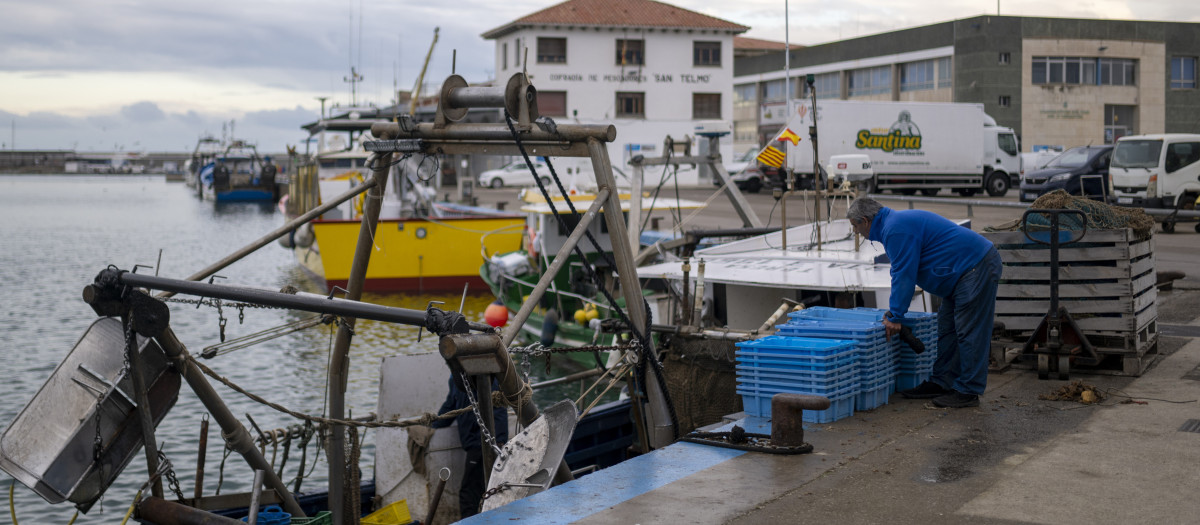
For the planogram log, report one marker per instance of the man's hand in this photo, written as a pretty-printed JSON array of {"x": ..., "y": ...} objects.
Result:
[{"x": 892, "y": 328}]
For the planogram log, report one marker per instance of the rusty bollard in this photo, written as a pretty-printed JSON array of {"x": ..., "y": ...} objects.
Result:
[{"x": 787, "y": 424}]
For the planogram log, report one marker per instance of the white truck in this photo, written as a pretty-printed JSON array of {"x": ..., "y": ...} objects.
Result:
[
  {"x": 1157, "y": 171},
  {"x": 913, "y": 146}
]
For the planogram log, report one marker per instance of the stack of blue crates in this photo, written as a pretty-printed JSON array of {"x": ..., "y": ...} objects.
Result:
[
  {"x": 779, "y": 364},
  {"x": 877, "y": 357},
  {"x": 913, "y": 368},
  {"x": 883, "y": 366}
]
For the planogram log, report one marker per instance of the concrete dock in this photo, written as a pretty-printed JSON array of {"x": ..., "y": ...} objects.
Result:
[{"x": 1015, "y": 459}]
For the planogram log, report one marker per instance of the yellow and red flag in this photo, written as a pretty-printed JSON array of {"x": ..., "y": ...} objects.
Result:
[
  {"x": 790, "y": 136},
  {"x": 771, "y": 156}
]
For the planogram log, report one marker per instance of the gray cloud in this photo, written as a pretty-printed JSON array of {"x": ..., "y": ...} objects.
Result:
[{"x": 142, "y": 112}]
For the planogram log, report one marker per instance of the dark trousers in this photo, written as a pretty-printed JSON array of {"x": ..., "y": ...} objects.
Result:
[
  {"x": 471, "y": 492},
  {"x": 965, "y": 328}
]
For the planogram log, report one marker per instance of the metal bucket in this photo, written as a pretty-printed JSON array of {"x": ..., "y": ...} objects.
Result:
[{"x": 50, "y": 446}]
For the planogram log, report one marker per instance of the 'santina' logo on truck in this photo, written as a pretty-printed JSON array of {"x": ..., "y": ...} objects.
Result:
[{"x": 903, "y": 135}]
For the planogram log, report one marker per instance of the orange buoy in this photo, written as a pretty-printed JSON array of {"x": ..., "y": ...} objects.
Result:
[{"x": 496, "y": 314}]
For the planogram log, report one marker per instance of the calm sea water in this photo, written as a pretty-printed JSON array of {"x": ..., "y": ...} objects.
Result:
[{"x": 58, "y": 232}]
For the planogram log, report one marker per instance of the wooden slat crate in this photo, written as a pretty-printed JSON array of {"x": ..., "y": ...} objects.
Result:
[{"x": 1106, "y": 281}]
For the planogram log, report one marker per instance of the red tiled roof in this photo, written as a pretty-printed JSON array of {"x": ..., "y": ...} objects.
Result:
[
  {"x": 742, "y": 42},
  {"x": 617, "y": 13}
]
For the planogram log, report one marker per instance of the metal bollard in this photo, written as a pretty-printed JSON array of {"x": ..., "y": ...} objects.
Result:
[{"x": 787, "y": 423}]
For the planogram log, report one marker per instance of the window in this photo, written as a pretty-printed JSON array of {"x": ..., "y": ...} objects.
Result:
[
  {"x": 1005, "y": 101},
  {"x": 631, "y": 105},
  {"x": 551, "y": 50},
  {"x": 1116, "y": 72},
  {"x": 504, "y": 56},
  {"x": 773, "y": 91},
  {"x": 828, "y": 85},
  {"x": 1182, "y": 154},
  {"x": 1005, "y": 58},
  {"x": 552, "y": 103},
  {"x": 871, "y": 81},
  {"x": 916, "y": 76},
  {"x": 706, "y": 53},
  {"x": 517, "y": 52},
  {"x": 1007, "y": 143},
  {"x": 706, "y": 106},
  {"x": 1183, "y": 72},
  {"x": 631, "y": 52},
  {"x": 1084, "y": 71},
  {"x": 744, "y": 93},
  {"x": 945, "y": 73}
]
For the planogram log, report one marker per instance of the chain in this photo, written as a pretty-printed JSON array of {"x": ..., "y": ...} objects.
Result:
[
  {"x": 487, "y": 436},
  {"x": 165, "y": 467},
  {"x": 98, "y": 443},
  {"x": 493, "y": 491},
  {"x": 538, "y": 350},
  {"x": 214, "y": 303}
]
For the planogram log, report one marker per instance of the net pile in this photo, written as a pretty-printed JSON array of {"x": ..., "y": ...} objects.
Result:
[
  {"x": 702, "y": 381},
  {"x": 1100, "y": 216}
]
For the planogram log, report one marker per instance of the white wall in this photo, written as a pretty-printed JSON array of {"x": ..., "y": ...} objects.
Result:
[{"x": 591, "y": 78}]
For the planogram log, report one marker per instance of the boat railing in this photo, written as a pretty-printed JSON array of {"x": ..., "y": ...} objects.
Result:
[{"x": 560, "y": 292}]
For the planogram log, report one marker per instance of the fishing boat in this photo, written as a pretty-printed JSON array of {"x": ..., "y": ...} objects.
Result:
[
  {"x": 573, "y": 308},
  {"x": 239, "y": 174},
  {"x": 206, "y": 150},
  {"x": 422, "y": 245}
]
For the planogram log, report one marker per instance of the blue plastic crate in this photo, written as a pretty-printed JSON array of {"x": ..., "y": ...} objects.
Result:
[
  {"x": 824, "y": 312},
  {"x": 769, "y": 358},
  {"x": 798, "y": 345},
  {"x": 869, "y": 399},
  {"x": 803, "y": 379},
  {"x": 800, "y": 385}
]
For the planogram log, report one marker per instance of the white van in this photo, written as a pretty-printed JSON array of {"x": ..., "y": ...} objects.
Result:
[{"x": 1156, "y": 171}]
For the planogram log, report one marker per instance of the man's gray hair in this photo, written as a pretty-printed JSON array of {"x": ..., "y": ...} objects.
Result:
[{"x": 863, "y": 208}]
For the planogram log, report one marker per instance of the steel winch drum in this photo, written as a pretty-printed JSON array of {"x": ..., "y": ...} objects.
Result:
[{"x": 49, "y": 447}]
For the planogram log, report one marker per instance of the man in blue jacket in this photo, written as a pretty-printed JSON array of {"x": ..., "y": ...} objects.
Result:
[{"x": 951, "y": 262}]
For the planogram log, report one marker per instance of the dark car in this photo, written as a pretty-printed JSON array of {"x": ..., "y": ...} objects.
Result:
[{"x": 1083, "y": 164}]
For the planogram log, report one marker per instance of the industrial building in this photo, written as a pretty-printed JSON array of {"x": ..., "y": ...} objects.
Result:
[{"x": 1058, "y": 82}]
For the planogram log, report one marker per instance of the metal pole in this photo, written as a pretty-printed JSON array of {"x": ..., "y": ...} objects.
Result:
[
  {"x": 300, "y": 301},
  {"x": 483, "y": 392},
  {"x": 783, "y": 219},
  {"x": 560, "y": 259},
  {"x": 143, "y": 409},
  {"x": 276, "y": 233},
  {"x": 339, "y": 363},
  {"x": 635, "y": 206},
  {"x": 255, "y": 494},
  {"x": 201, "y": 453},
  {"x": 232, "y": 430},
  {"x": 659, "y": 414}
]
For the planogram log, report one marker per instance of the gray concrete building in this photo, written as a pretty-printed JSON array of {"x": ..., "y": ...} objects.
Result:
[{"x": 1058, "y": 82}]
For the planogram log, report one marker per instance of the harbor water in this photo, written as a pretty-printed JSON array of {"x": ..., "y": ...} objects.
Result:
[{"x": 60, "y": 231}]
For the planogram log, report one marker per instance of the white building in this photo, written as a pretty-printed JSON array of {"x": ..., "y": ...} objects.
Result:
[{"x": 651, "y": 69}]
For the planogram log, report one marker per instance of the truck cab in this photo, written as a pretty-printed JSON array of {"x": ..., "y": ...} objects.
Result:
[
  {"x": 1002, "y": 160},
  {"x": 1156, "y": 171}
]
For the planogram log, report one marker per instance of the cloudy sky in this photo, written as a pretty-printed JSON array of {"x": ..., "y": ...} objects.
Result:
[{"x": 153, "y": 75}]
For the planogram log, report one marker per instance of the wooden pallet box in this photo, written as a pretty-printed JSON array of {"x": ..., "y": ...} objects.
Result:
[{"x": 1106, "y": 281}]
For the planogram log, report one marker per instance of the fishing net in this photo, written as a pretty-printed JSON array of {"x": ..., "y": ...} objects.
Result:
[
  {"x": 1100, "y": 216},
  {"x": 701, "y": 379}
]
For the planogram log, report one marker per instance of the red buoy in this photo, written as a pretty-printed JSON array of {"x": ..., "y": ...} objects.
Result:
[{"x": 496, "y": 314}]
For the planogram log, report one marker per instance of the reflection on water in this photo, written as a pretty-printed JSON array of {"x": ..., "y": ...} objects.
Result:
[{"x": 60, "y": 231}]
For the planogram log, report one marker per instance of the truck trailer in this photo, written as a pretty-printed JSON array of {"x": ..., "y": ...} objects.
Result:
[{"x": 913, "y": 146}]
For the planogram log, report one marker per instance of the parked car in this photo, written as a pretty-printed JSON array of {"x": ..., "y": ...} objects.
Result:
[
  {"x": 1079, "y": 168},
  {"x": 515, "y": 174}
]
